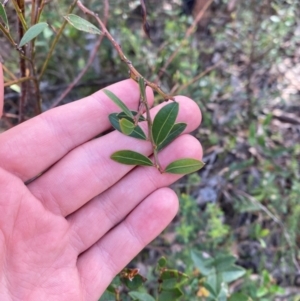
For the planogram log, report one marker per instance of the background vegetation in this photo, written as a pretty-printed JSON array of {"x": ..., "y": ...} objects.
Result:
[{"x": 241, "y": 64}]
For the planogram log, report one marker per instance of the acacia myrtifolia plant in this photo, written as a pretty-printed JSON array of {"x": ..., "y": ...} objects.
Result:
[{"x": 161, "y": 131}]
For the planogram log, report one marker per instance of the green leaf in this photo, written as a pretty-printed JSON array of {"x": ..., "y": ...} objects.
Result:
[
  {"x": 137, "y": 132},
  {"x": 164, "y": 122},
  {"x": 134, "y": 113},
  {"x": 131, "y": 158},
  {"x": 32, "y": 33},
  {"x": 168, "y": 274},
  {"x": 141, "y": 296},
  {"x": 224, "y": 262},
  {"x": 3, "y": 15},
  {"x": 135, "y": 283},
  {"x": 177, "y": 129},
  {"x": 162, "y": 262},
  {"x": 233, "y": 273},
  {"x": 239, "y": 297},
  {"x": 81, "y": 24},
  {"x": 170, "y": 295},
  {"x": 126, "y": 126},
  {"x": 184, "y": 166},
  {"x": 118, "y": 102},
  {"x": 209, "y": 289},
  {"x": 204, "y": 265},
  {"x": 111, "y": 289},
  {"x": 172, "y": 278}
]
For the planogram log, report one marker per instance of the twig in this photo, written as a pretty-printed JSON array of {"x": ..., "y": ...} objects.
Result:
[
  {"x": 5, "y": 69},
  {"x": 144, "y": 101},
  {"x": 40, "y": 9},
  {"x": 193, "y": 80},
  {"x": 37, "y": 7},
  {"x": 20, "y": 8},
  {"x": 33, "y": 11},
  {"x": 134, "y": 74},
  {"x": 9, "y": 115},
  {"x": 189, "y": 31},
  {"x": 8, "y": 35},
  {"x": 18, "y": 81},
  {"x": 57, "y": 37},
  {"x": 90, "y": 60}
]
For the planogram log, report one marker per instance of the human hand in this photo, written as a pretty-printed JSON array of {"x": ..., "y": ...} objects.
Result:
[{"x": 67, "y": 233}]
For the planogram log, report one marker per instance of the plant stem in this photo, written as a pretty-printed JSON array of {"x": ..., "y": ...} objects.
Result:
[
  {"x": 7, "y": 34},
  {"x": 150, "y": 124},
  {"x": 17, "y": 81},
  {"x": 6, "y": 70},
  {"x": 20, "y": 7},
  {"x": 134, "y": 74},
  {"x": 57, "y": 37},
  {"x": 40, "y": 9},
  {"x": 177, "y": 89}
]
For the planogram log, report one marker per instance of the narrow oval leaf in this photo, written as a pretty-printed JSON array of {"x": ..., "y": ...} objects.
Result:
[
  {"x": 131, "y": 158},
  {"x": 3, "y": 16},
  {"x": 177, "y": 129},
  {"x": 184, "y": 166},
  {"x": 126, "y": 126},
  {"x": 137, "y": 132},
  {"x": 82, "y": 24},
  {"x": 118, "y": 102},
  {"x": 164, "y": 122},
  {"x": 32, "y": 33}
]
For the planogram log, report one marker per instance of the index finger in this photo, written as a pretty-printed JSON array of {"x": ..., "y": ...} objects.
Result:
[{"x": 33, "y": 146}]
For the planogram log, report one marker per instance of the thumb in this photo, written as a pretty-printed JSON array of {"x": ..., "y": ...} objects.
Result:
[{"x": 1, "y": 90}]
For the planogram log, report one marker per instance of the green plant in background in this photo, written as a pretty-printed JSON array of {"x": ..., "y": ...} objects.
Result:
[
  {"x": 263, "y": 288},
  {"x": 128, "y": 285},
  {"x": 209, "y": 282},
  {"x": 216, "y": 274}
]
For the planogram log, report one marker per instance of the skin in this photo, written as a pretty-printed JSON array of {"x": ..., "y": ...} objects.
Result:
[{"x": 66, "y": 234}]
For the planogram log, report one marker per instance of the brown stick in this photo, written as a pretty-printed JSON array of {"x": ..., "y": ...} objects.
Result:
[
  {"x": 134, "y": 74},
  {"x": 193, "y": 80},
  {"x": 90, "y": 60},
  {"x": 18, "y": 81},
  {"x": 22, "y": 101}
]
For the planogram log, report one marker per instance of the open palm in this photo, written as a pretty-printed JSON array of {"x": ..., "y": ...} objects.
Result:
[{"x": 70, "y": 217}]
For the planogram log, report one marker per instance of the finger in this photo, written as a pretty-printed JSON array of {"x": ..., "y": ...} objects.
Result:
[
  {"x": 1, "y": 90},
  {"x": 99, "y": 265},
  {"x": 110, "y": 207},
  {"x": 88, "y": 170},
  {"x": 35, "y": 145}
]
